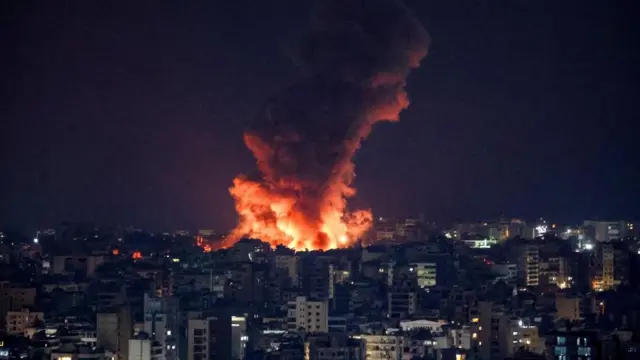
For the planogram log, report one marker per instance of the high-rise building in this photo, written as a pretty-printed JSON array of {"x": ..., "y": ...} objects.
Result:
[
  {"x": 425, "y": 273},
  {"x": 402, "y": 295},
  {"x": 161, "y": 324},
  {"x": 494, "y": 331},
  {"x": 114, "y": 329},
  {"x": 308, "y": 315},
  {"x": 288, "y": 263},
  {"x": 607, "y": 260},
  {"x": 315, "y": 276},
  {"x": 530, "y": 264},
  {"x": 209, "y": 337},
  {"x": 239, "y": 337},
  {"x": 615, "y": 260},
  {"x": 582, "y": 271},
  {"x": 555, "y": 271},
  {"x": 244, "y": 283},
  {"x": 142, "y": 347}
]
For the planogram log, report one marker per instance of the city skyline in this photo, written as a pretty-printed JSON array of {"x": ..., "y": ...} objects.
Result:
[
  {"x": 143, "y": 125},
  {"x": 319, "y": 180}
]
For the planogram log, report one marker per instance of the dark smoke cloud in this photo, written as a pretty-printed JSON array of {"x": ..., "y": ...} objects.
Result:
[{"x": 355, "y": 61}]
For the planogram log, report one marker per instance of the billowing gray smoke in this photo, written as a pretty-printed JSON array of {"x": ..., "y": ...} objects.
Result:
[{"x": 355, "y": 61}]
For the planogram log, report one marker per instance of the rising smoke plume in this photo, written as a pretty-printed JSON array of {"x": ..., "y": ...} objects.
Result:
[{"x": 355, "y": 61}]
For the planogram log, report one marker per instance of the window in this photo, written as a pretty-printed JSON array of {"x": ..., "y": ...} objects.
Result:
[
  {"x": 560, "y": 350},
  {"x": 584, "y": 351},
  {"x": 561, "y": 340}
]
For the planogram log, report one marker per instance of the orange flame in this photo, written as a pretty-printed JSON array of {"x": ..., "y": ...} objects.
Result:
[
  {"x": 300, "y": 199},
  {"x": 203, "y": 243},
  {"x": 273, "y": 218},
  {"x": 276, "y": 210}
]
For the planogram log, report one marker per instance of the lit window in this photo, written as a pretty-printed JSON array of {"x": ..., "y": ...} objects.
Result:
[
  {"x": 584, "y": 351},
  {"x": 560, "y": 350}
]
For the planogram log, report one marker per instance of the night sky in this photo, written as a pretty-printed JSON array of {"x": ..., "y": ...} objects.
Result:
[{"x": 132, "y": 113}]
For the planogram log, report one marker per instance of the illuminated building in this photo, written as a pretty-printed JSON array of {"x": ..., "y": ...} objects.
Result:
[
  {"x": 509, "y": 228},
  {"x": 480, "y": 244},
  {"x": 564, "y": 345},
  {"x": 311, "y": 316},
  {"x": 425, "y": 273},
  {"x": 555, "y": 271},
  {"x": 142, "y": 347},
  {"x": 239, "y": 337},
  {"x": 524, "y": 337},
  {"x": 68, "y": 351},
  {"x": 333, "y": 347},
  {"x": 385, "y": 232},
  {"x": 615, "y": 261},
  {"x": 383, "y": 347},
  {"x": 607, "y": 266},
  {"x": 19, "y": 321},
  {"x": 530, "y": 264}
]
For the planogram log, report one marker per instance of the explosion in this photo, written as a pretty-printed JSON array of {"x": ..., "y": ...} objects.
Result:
[{"x": 355, "y": 61}]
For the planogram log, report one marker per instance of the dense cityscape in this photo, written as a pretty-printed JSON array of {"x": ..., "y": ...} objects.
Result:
[
  {"x": 409, "y": 289},
  {"x": 171, "y": 115}
]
